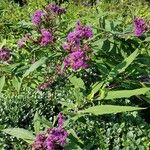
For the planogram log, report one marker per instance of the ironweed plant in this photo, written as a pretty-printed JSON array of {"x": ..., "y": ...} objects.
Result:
[{"x": 79, "y": 64}]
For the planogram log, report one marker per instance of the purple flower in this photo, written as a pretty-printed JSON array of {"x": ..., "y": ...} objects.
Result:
[
  {"x": 4, "y": 54},
  {"x": 73, "y": 37},
  {"x": 61, "y": 119},
  {"x": 84, "y": 32},
  {"x": 56, "y": 9},
  {"x": 56, "y": 136},
  {"x": 61, "y": 11},
  {"x": 50, "y": 145},
  {"x": 88, "y": 33},
  {"x": 140, "y": 26},
  {"x": 53, "y": 7},
  {"x": 76, "y": 60},
  {"x": 80, "y": 32},
  {"x": 46, "y": 38},
  {"x": 39, "y": 142},
  {"x": 66, "y": 62},
  {"x": 37, "y": 17}
]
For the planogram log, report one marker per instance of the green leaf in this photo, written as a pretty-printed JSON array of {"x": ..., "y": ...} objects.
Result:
[
  {"x": 73, "y": 119},
  {"x": 122, "y": 66},
  {"x": 109, "y": 109},
  {"x": 147, "y": 39},
  {"x": 21, "y": 133},
  {"x": 113, "y": 73},
  {"x": 16, "y": 83},
  {"x": 73, "y": 133},
  {"x": 125, "y": 93},
  {"x": 2, "y": 83},
  {"x": 3, "y": 43},
  {"x": 95, "y": 88},
  {"x": 72, "y": 146},
  {"x": 46, "y": 123},
  {"x": 34, "y": 66},
  {"x": 77, "y": 82},
  {"x": 36, "y": 122}
]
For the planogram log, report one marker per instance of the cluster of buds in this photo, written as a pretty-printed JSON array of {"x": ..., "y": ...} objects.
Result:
[
  {"x": 4, "y": 54},
  {"x": 140, "y": 26},
  {"x": 46, "y": 35},
  {"x": 54, "y": 138},
  {"x": 77, "y": 57}
]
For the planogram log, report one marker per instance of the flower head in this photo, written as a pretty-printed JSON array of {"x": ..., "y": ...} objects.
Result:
[
  {"x": 76, "y": 60},
  {"x": 39, "y": 142},
  {"x": 55, "y": 138},
  {"x": 61, "y": 119},
  {"x": 4, "y": 54},
  {"x": 84, "y": 32},
  {"x": 73, "y": 37},
  {"x": 140, "y": 26},
  {"x": 56, "y": 9},
  {"x": 46, "y": 38},
  {"x": 37, "y": 17}
]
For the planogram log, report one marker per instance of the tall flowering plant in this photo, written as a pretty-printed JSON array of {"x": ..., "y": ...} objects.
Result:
[
  {"x": 53, "y": 138},
  {"x": 42, "y": 41},
  {"x": 46, "y": 38}
]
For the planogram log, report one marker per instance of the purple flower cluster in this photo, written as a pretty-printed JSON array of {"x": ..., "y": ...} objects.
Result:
[
  {"x": 4, "y": 54},
  {"x": 46, "y": 38},
  {"x": 77, "y": 50},
  {"x": 39, "y": 143},
  {"x": 56, "y": 137},
  {"x": 37, "y": 17},
  {"x": 61, "y": 119},
  {"x": 47, "y": 18},
  {"x": 76, "y": 60},
  {"x": 140, "y": 26},
  {"x": 56, "y": 9},
  {"x": 80, "y": 33},
  {"x": 53, "y": 139}
]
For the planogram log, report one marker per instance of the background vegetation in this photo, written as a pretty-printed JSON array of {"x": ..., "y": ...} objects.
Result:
[{"x": 119, "y": 62}]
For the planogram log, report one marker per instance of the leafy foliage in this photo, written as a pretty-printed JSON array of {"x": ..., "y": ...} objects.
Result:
[{"x": 35, "y": 85}]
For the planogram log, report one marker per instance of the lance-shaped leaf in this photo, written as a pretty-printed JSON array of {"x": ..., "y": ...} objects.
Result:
[
  {"x": 122, "y": 66},
  {"x": 34, "y": 66},
  {"x": 2, "y": 83},
  {"x": 114, "y": 72},
  {"x": 36, "y": 122},
  {"x": 21, "y": 133},
  {"x": 77, "y": 82},
  {"x": 108, "y": 109},
  {"x": 124, "y": 93}
]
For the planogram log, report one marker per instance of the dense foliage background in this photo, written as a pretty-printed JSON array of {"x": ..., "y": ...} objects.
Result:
[{"x": 31, "y": 80}]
